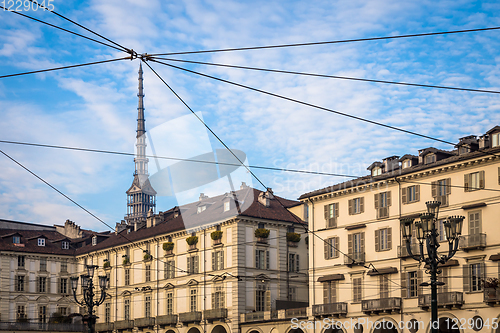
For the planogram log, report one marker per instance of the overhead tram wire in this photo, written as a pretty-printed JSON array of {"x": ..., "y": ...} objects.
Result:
[
  {"x": 328, "y": 42},
  {"x": 330, "y": 76},
  {"x": 66, "y": 30},
  {"x": 64, "y": 67},
  {"x": 252, "y": 173},
  {"x": 83, "y": 27}
]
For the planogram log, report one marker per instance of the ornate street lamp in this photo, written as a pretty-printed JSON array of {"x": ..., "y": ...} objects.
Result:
[
  {"x": 427, "y": 235},
  {"x": 88, "y": 293}
]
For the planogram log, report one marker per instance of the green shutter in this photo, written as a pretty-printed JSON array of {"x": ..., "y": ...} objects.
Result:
[
  {"x": 213, "y": 261},
  {"x": 351, "y": 202},
  {"x": 377, "y": 199},
  {"x": 326, "y": 247},
  {"x": 481, "y": 179},
  {"x": 417, "y": 192},
  {"x": 466, "y": 182},
  {"x": 389, "y": 238},
  {"x": 404, "y": 199},
  {"x": 349, "y": 244},
  {"x": 336, "y": 247},
  {"x": 362, "y": 205},
  {"x": 388, "y": 199},
  {"x": 434, "y": 189},
  {"x": 448, "y": 186},
  {"x": 326, "y": 212},
  {"x": 377, "y": 240}
]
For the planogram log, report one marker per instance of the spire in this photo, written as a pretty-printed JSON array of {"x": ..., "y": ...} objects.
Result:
[{"x": 141, "y": 129}]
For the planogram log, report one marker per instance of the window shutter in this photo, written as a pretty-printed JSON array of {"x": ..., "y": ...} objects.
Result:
[
  {"x": 466, "y": 269},
  {"x": 419, "y": 282},
  {"x": 213, "y": 261},
  {"x": 214, "y": 297},
  {"x": 352, "y": 201},
  {"x": 403, "y": 196},
  {"x": 349, "y": 244},
  {"x": 189, "y": 269},
  {"x": 388, "y": 198},
  {"x": 336, "y": 246},
  {"x": 377, "y": 240},
  {"x": 333, "y": 291},
  {"x": 297, "y": 263},
  {"x": 221, "y": 264},
  {"x": 389, "y": 238},
  {"x": 444, "y": 278},
  {"x": 257, "y": 264},
  {"x": 448, "y": 186},
  {"x": 196, "y": 264},
  {"x": 362, "y": 205},
  {"x": 59, "y": 286},
  {"x": 326, "y": 289},
  {"x": 267, "y": 260},
  {"x": 434, "y": 189},
  {"x": 16, "y": 283},
  {"x": 327, "y": 213},
  {"x": 483, "y": 274},
  {"x": 466, "y": 182},
  {"x": 268, "y": 300},
  {"x": 377, "y": 197},
  {"x": 336, "y": 210},
  {"x": 417, "y": 192},
  {"x": 403, "y": 285},
  {"x": 327, "y": 247},
  {"x": 362, "y": 242},
  {"x": 481, "y": 179}
]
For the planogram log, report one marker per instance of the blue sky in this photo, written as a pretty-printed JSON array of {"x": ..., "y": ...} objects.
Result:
[{"x": 96, "y": 107}]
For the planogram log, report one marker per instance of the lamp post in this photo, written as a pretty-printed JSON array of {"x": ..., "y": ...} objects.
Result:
[
  {"x": 427, "y": 233},
  {"x": 88, "y": 293}
]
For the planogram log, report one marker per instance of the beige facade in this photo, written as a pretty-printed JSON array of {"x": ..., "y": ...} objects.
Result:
[{"x": 359, "y": 270}]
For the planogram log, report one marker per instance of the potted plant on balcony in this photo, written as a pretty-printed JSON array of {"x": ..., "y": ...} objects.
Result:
[
  {"x": 147, "y": 257},
  {"x": 192, "y": 241},
  {"x": 126, "y": 260},
  {"x": 216, "y": 236},
  {"x": 490, "y": 289},
  {"x": 168, "y": 247},
  {"x": 293, "y": 239},
  {"x": 106, "y": 265},
  {"x": 262, "y": 234}
]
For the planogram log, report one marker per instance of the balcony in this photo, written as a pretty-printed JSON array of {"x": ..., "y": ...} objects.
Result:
[
  {"x": 190, "y": 317},
  {"x": 254, "y": 316},
  {"x": 403, "y": 252},
  {"x": 330, "y": 309},
  {"x": 375, "y": 306},
  {"x": 144, "y": 322},
  {"x": 8, "y": 326},
  {"x": 472, "y": 242},
  {"x": 215, "y": 314},
  {"x": 356, "y": 258},
  {"x": 124, "y": 325},
  {"x": 446, "y": 300},
  {"x": 104, "y": 327},
  {"x": 296, "y": 313},
  {"x": 491, "y": 296},
  {"x": 166, "y": 320}
]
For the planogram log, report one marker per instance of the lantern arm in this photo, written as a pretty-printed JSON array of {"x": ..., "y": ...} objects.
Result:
[
  {"x": 102, "y": 298},
  {"x": 86, "y": 296},
  {"x": 409, "y": 251},
  {"x": 452, "y": 249},
  {"x": 431, "y": 253},
  {"x": 76, "y": 299}
]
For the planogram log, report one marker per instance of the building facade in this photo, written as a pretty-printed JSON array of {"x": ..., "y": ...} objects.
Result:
[{"x": 360, "y": 270}]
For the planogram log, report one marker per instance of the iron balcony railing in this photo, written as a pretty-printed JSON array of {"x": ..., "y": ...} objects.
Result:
[
  {"x": 381, "y": 305},
  {"x": 124, "y": 324},
  {"x": 14, "y": 326},
  {"x": 447, "y": 299},
  {"x": 254, "y": 316},
  {"x": 215, "y": 314},
  {"x": 170, "y": 319},
  {"x": 144, "y": 322},
  {"x": 104, "y": 327},
  {"x": 294, "y": 313},
  {"x": 356, "y": 258},
  {"x": 471, "y": 242},
  {"x": 403, "y": 251},
  {"x": 328, "y": 309},
  {"x": 190, "y": 317}
]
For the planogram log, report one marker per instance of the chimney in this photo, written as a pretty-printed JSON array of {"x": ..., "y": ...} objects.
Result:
[
  {"x": 120, "y": 226},
  {"x": 266, "y": 197},
  {"x": 391, "y": 163},
  {"x": 203, "y": 196},
  {"x": 243, "y": 186}
]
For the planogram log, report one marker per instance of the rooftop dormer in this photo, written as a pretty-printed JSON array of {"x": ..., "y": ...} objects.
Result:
[
  {"x": 432, "y": 155},
  {"x": 407, "y": 161},
  {"x": 467, "y": 144}
]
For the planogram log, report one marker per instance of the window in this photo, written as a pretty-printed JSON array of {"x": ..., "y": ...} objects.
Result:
[
  {"x": 262, "y": 298},
  {"x": 201, "y": 209},
  {"x": 42, "y": 284},
  {"x": 170, "y": 302},
  {"x": 94, "y": 241},
  {"x": 21, "y": 312},
  {"x": 475, "y": 228},
  {"x": 357, "y": 290},
  {"x": 356, "y": 206},
  {"x": 41, "y": 241},
  {"x": 192, "y": 265},
  {"x": 332, "y": 248},
  {"x": 262, "y": 259},
  {"x": 217, "y": 260},
  {"x": 227, "y": 205},
  {"x": 383, "y": 286},
  {"x": 410, "y": 194},
  {"x": 331, "y": 214},
  {"x": 406, "y": 163},
  {"x": 474, "y": 181},
  {"x": 147, "y": 307},
  {"x": 382, "y": 203},
  {"x": 330, "y": 292},
  {"x": 126, "y": 310},
  {"x": 65, "y": 245},
  {"x": 377, "y": 171},
  {"x": 64, "y": 266},
  {"x": 20, "y": 281},
  {"x": 63, "y": 310},
  {"x": 107, "y": 312},
  {"x": 16, "y": 239},
  {"x": 148, "y": 273},
  {"x": 430, "y": 158},
  {"x": 356, "y": 246},
  {"x": 410, "y": 281},
  {"x": 169, "y": 269},
  {"x": 441, "y": 230},
  {"x": 473, "y": 275},
  {"x": 464, "y": 150},
  {"x": 495, "y": 140},
  {"x": 293, "y": 262},
  {"x": 292, "y": 294},
  {"x": 440, "y": 191},
  {"x": 43, "y": 264},
  {"x": 218, "y": 297},
  {"x": 63, "y": 286},
  {"x": 42, "y": 314},
  {"x": 20, "y": 261},
  {"x": 193, "y": 300},
  {"x": 127, "y": 276},
  {"x": 383, "y": 239}
]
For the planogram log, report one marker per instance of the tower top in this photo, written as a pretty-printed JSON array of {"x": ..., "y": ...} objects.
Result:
[{"x": 141, "y": 127}]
